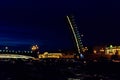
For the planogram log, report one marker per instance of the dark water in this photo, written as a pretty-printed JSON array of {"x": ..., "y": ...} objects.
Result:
[{"x": 53, "y": 69}]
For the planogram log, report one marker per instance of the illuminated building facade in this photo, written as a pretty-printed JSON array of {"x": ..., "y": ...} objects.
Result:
[
  {"x": 110, "y": 50},
  {"x": 56, "y": 55},
  {"x": 50, "y": 55}
]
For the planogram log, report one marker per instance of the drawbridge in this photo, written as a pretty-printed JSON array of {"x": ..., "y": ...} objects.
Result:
[{"x": 76, "y": 35}]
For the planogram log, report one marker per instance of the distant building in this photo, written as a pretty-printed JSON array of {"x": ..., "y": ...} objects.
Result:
[
  {"x": 50, "y": 55},
  {"x": 106, "y": 50},
  {"x": 99, "y": 50},
  {"x": 56, "y": 55},
  {"x": 112, "y": 50}
]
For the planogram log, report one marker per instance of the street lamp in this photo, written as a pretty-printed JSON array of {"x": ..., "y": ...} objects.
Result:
[{"x": 34, "y": 48}]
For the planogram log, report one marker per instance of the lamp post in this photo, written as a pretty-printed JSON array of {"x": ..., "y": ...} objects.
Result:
[{"x": 35, "y": 51}]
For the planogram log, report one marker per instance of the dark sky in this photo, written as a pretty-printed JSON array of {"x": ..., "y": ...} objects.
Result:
[{"x": 43, "y": 22}]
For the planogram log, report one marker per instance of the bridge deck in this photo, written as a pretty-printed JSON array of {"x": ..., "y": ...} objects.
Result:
[{"x": 15, "y": 56}]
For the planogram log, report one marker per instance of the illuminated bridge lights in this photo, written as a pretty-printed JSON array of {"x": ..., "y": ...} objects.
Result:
[
  {"x": 13, "y": 51},
  {"x": 15, "y": 56},
  {"x": 76, "y": 34},
  {"x": 34, "y": 48}
]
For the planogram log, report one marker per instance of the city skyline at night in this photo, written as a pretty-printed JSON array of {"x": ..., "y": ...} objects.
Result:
[{"x": 28, "y": 22}]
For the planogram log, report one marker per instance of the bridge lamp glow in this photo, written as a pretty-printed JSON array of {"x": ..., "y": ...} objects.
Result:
[
  {"x": 10, "y": 51},
  {"x": 6, "y": 47},
  {"x": 13, "y": 51},
  {"x": 3, "y": 50},
  {"x": 81, "y": 56},
  {"x": 34, "y": 48}
]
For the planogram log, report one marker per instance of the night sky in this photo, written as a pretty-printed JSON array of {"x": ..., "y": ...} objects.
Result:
[{"x": 43, "y": 22}]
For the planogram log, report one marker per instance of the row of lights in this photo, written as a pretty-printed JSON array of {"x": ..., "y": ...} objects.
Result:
[
  {"x": 13, "y": 51},
  {"x": 35, "y": 47}
]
